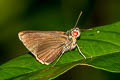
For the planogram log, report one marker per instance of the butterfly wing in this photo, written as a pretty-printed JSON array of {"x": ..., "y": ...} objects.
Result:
[{"x": 46, "y": 46}]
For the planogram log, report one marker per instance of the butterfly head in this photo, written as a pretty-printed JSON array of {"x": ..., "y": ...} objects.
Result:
[{"x": 75, "y": 32}]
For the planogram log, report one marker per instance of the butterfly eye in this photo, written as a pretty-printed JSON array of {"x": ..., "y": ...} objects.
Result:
[{"x": 75, "y": 34}]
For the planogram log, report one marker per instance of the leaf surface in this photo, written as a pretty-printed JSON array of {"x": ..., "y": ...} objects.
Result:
[{"x": 101, "y": 46}]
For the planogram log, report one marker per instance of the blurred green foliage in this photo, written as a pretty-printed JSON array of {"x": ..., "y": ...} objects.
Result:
[{"x": 18, "y": 15}]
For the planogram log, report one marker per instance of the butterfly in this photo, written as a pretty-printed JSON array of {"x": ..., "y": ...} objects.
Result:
[{"x": 46, "y": 46}]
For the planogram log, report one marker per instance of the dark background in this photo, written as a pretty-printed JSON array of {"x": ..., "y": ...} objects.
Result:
[{"x": 19, "y": 15}]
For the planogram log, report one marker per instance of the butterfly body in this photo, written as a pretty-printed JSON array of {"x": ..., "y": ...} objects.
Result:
[{"x": 46, "y": 46}]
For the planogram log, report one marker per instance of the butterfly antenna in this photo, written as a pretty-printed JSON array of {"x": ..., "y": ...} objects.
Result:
[{"x": 78, "y": 19}]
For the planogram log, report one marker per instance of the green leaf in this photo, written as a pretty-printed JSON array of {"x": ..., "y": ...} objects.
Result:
[{"x": 101, "y": 45}]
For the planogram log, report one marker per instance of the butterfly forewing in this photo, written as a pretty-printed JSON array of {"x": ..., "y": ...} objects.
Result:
[{"x": 44, "y": 45}]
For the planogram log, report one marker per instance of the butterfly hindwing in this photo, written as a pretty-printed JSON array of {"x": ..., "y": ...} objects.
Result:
[{"x": 50, "y": 54}]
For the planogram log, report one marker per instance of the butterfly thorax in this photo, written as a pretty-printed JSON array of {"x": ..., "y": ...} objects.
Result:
[{"x": 72, "y": 34}]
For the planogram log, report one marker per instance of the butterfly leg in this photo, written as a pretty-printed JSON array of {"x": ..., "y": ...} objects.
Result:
[
  {"x": 65, "y": 49},
  {"x": 80, "y": 51},
  {"x": 58, "y": 59}
]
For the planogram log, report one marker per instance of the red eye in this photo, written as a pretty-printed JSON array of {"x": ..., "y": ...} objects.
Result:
[{"x": 75, "y": 34}]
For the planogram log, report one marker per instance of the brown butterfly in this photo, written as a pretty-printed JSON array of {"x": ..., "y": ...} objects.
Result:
[{"x": 46, "y": 46}]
